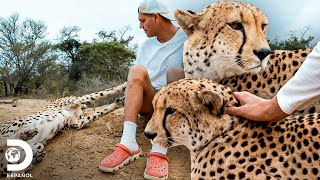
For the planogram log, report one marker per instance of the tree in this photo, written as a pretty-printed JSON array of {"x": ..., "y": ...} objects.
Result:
[
  {"x": 110, "y": 60},
  {"x": 119, "y": 36},
  {"x": 297, "y": 40},
  {"x": 23, "y": 48},
  {"x": 110, "y": 55},
  {"x": 69, "y": 44}
]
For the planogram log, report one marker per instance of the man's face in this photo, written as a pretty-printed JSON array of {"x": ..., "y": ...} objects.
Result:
[{"x": 148, "y": 24}]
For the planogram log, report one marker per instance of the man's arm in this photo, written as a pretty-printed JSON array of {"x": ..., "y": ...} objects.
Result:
[
  {"x": 304, "y": 87},
  {"x": 295, "y": 94},
  {"x": 257, "y": 109}
]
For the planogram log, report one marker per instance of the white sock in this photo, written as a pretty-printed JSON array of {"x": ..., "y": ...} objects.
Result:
[
  {"x": 158, "y": 149},
  {"x": 128, "y": 137}
]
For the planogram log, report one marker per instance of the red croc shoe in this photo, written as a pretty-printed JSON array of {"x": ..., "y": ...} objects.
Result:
[
  {"x": 120, "y": 157},
  {"x": 157, "y": 166}
]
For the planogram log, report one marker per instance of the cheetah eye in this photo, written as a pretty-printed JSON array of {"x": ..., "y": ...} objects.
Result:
[
  {"x": 236, "y": 25},
  {"x": 169, "y": 111},
  {"x": 264, "y": 26}
]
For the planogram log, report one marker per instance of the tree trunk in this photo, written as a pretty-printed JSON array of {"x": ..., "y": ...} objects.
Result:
[
  {"x": 5, "y": 85},
  {"x": 17, "y": 90}
]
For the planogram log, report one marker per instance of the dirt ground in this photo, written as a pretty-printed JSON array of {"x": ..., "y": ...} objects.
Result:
[{"x": 75, "y": 154}]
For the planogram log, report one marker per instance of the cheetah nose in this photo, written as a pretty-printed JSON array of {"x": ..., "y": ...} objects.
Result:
[
  {"x": 262, "y": 53},
  {"x": 150, "y": 135}
]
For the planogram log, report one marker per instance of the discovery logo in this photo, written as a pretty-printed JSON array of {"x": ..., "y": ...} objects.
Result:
[{"x": 13, "y": 156}]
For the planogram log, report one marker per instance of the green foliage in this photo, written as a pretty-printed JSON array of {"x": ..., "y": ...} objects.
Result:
[
  {"x": 109, "y": 56},
  {"x": 297, "y": 40},
  {"x": 56, "y": 80},
  {"x": 110, "y": 60},
  {"x": 66, "y": 93}
]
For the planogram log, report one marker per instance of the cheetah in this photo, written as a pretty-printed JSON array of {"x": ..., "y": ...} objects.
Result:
[
  {"x": 40, "y": 128},
  {"x": 190, "y": 112},
  {"x": 227, "y": 43}
]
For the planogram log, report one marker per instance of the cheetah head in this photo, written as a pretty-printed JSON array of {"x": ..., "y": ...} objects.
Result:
[
  {"x": 225, "y": 39},
  {"x": 189, "y": 112}
]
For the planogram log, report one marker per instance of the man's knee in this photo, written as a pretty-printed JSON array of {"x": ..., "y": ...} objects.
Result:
[
  {"x": 137, "y": 74},
  {"x": 174, "y": 74}
]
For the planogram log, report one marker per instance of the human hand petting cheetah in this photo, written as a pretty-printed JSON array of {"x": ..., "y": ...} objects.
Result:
[{"x": 256, "y": 108}]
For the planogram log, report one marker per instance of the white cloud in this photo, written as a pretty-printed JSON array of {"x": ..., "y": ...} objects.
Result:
[{"x": 307, "y": 15}]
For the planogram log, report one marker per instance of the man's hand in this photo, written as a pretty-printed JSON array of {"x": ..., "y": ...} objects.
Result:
[{"x": 256, "y": 108}]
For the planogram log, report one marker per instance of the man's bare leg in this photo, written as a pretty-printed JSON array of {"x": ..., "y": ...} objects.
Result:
[
  {"x": 139, "y": 94},
  {"x": 138, "y": 98}
]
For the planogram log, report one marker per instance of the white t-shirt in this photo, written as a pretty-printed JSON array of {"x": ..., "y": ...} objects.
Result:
[
  {"x": 158, "y": 57},
  {"x": 304, "y": 87}
]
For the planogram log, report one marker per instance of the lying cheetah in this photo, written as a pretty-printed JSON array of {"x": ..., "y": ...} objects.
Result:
[
  {"x": 190, "y": 112},
  {"x": 227, "y": 43},
  {"x": 40, "y": 128}
]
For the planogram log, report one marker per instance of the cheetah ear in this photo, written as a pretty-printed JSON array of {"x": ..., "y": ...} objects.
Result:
[
  {"x": 187, "y": 20},
  {"x": 213, "y": 101}
]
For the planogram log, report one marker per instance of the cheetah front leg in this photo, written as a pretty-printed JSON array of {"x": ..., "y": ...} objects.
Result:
[
  {"x": 84, "y": 120},
  {"x": 93, "y": 97}
]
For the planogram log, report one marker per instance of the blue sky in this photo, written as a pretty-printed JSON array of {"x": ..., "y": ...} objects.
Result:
[{"x": 95, "y": 15}]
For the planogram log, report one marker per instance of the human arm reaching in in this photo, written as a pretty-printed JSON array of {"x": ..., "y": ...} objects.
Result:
[
  {"x": 295, "y": 95},
  {"x": 256, "y": 108}
]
